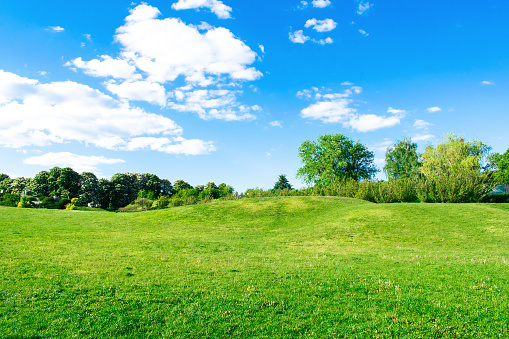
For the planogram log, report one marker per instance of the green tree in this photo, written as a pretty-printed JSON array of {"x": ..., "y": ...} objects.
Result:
[
  {"x": 105, "y": 190},
  {"x": 89, "y": 188},
  {"x": 501, "y": 164},
  {"x": 40, "y": 184},
  {"x": 282, "y": 183},
  {"x": 3, "y": 177},
  {"x": 454, "y": 171},
  {"x": 126, "y": 188},
  {"x": 402, "y": 160},
  {"x": 19, "y": 185},
  {"x": 180, "y": 184},
  {"x": 166, "y": 188},
  {"x": 334, "y": 157}
]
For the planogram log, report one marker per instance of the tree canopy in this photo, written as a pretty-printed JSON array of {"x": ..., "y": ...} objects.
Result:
[
  {"x": 402, "y": 160},
  {"x": 334, "y": 157},
  {"x": 501, "y": 163},
  {"x": 282, "y": 183}
]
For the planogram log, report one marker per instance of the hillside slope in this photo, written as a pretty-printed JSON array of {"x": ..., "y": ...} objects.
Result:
[{"x": 274, "y": 267}]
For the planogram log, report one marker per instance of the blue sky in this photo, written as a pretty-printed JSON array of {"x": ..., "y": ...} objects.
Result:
[{"x": 226, "y": 91}]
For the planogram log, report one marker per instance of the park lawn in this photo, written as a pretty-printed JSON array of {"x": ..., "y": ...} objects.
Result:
[{"x": 316, "y": 267}]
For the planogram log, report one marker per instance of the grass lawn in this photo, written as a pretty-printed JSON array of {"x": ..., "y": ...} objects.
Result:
[{"x": 292, "y": 267}]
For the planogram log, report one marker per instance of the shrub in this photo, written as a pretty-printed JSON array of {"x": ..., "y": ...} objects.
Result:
[
  {"x": 8, "y": 199},
  {"x": 25, "y": 202}
]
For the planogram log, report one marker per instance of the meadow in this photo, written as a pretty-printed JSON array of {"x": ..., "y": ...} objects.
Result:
[{"x": 279, "y": 267}]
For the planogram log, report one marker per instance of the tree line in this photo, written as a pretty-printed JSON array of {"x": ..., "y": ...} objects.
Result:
[
  {"x": 58, "y": 186},
  {"x": 452, "y": 170}
]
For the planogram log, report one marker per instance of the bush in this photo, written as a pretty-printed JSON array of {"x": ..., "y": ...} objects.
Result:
[
  {"x": 25, "y": 202},
  {"x": 8, "y": 199}
]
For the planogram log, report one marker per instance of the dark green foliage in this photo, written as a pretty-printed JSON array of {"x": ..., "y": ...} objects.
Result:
[
  {"x": 40, "y": 184},
  {"x": 65, "y": 182},
  {"x": 126, "y": 188},
  {"x": 282, "y": 183},
  {"x": 3, "y": 177},
  {"x": 334, "y": 157},
  {"x": 501, "y": 163},
  {"x": 180, "y": 184},
  {"x": 105, "y": 192},
  {"x": 9, "y": 199},
  {"x": 89, "y": 188},
  {"x": 166, "y": 188},
  {"x": 402, "y": 160},
  {"x": 19, "y": 185},
  {"x": 146, "y": 194},
  {"x": 50, "y": 203}
]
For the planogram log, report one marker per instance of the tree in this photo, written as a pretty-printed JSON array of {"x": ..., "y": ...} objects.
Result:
[
  {"x": 454, "y": 171},
  {"x": 89, "y": 188},
  {"x": 19, "y": 185},
  {"x": 180, "y": 184},
  {"x": 282, "y": 183},
  {"x": 40, "y": 184},
  {"x": 3, "y": 177},
  {"x": 166, "y": 188},
  {"x": 334, "y": 157},
  {"x": 105, "y": 190},
  {"x": 402, "y": 160},
  {"x": 501, "y": 163},
  {"x": 126, "y": 188}
]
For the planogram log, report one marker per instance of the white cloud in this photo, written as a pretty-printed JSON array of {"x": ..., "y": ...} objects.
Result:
[
  {"x": 325, "y": 41},
  {"x": 298, "y": 37},
  {"x": 396, "y": 111},
  {"x": 167, "y": 48},
  {"x": 337, "y": 108},
  {"x": 87, "y": 36},
  {"x": 212, "y": 104},
  {"x": 363, "y": 7},
  {"x": 107, "y": 67},
  {"x": 155, "y": 52},
  {"x": 35, "y": 114},
  {"x": 372, "y": 122},
  {"x": 139, "y": 90},
  {"x": 276, "y": 124},
  {"x": 171, "y": 146},
  {"x": 217, "y": 7},
  {"x": 79, "y": 163},
  {"x": 421, "y": 124},
  {"x": 326, "y": 25},
  {"x": 321, "y": 3},
  {"x": 485, "y": 82},
  {"x": 434, "y": 109},
  {"x": 262, "y": 48},
  {"x": 423, "y": 137},
  {"x": 363, "y": 32},
  {"x": 55, "y": 29},
  {"x": 346, "y": 83}
]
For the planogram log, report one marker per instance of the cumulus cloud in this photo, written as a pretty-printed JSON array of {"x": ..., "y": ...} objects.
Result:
[
  {"x": 298, "y": 37},
  {"x": 80, "y": 163},
  {"x": 107, "y": 67},
  {"x": 326, "y": 25},
  {"x": 139, "y": 90},
  {"x": 158, "y": 51},
  {"x": 215, "y": 6},
  {"x": 421, "y": 124},
  {"x": 486, "y": 82},
  {"x": 363, "y": 7},
  {"x": 55, "y": 29},
  {"x": 321, "y": 3},
  {"x": 434, "y": 109},
  {"x": 333, "y": 107},
  {"x": 363, "y": 32},
  {"x": 37, "y": 114},
  {"x": 276, "y": 124},
  {"x": 212, "y": 104},
  {"x": 423, "y": 137}
]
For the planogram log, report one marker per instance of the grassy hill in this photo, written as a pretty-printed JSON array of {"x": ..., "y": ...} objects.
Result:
[{"x": 268, "y": 268}]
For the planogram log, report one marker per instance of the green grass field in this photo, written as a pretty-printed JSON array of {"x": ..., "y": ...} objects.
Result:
[{"x": 294, "y": 267}]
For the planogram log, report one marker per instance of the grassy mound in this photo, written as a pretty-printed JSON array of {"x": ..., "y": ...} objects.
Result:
[{"x": 270, "y": 267}]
